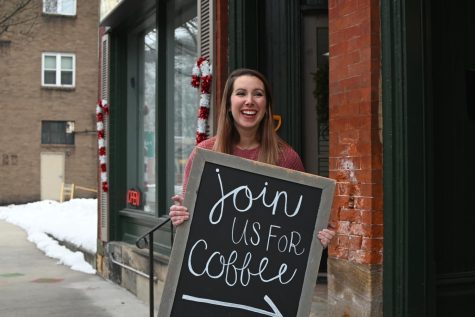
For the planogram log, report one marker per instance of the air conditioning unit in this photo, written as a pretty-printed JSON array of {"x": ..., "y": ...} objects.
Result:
[{"x": 70, "y": 127}]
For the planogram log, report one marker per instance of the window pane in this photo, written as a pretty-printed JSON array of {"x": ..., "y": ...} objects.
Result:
[
  {"x": 186, "y": 101},
  {"x": 66, "y": 78},
  {"x": 50, "y": 77},
  {"x": 50, "y": 62},
  {"x": 149, "y": 112},
  {"x": 69, "y": 138},
  {"x": 68, "y": 7},
  {"x": 66, "y": 63},
  {"x": 50, "y": 6},
  {"x": 45, "y": 133},
  {"x": 54, "y": 132}
]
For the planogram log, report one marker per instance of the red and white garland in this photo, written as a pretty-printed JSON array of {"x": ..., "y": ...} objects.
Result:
[
  {"x": 102, "y": 109},
  {"x": 201, "y": 76}
]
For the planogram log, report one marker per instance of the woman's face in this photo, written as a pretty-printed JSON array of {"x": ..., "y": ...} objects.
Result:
[{"x": 248, "y": 103}]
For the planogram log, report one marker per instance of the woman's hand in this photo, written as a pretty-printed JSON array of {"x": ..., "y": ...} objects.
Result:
[
  {"x": 178, "y": 213},
  {"x": 325, "y": 236}
]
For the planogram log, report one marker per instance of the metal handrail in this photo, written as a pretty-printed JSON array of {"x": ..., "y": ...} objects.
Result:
[
  {"x": 141, "y": 243},
  {"x": 138, "y": 272}
]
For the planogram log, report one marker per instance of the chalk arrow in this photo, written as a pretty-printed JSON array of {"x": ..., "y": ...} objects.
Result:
[{"x": 274, "y": 313}]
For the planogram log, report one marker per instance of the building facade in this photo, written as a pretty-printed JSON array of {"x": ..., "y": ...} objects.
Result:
[
  {"x": 48, "y": 94},
  {"x": 388, "y": 136}
]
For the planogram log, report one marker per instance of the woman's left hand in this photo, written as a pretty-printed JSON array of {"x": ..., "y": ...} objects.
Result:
[{"x": 325, "y": 236}]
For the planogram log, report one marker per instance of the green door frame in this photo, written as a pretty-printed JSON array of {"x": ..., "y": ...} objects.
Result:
[
  {"x": 408, "y": 279},
  {"x": 255, "y": 26},
  {"x": 126, "y": 225}
]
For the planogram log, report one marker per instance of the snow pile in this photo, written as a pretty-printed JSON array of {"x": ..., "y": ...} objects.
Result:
[{"x": 74, "y": 221}]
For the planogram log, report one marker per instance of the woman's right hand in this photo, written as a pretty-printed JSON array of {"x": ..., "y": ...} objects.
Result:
[{"x": 178, "y": 213}]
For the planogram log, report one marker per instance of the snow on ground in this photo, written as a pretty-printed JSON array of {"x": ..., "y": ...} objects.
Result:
[{"x": 74, "y": 221}]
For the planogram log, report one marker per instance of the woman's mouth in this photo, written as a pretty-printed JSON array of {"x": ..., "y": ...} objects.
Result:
[{"x": 249, "y": 112}]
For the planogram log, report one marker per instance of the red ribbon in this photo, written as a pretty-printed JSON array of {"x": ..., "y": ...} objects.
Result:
[{"x": 203, "y": 113}]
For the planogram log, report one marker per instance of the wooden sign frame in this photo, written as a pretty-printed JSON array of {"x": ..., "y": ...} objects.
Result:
[{"x": 177, "y": 258}]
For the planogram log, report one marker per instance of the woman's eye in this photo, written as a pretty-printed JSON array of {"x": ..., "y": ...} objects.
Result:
[{"x": 240, "y": 93}]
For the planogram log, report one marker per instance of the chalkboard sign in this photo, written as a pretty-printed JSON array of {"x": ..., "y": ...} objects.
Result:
[{"x": 250, "y": 245}]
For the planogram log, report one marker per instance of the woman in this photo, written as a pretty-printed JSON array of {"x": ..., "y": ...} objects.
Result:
[{"x": 246, "y": 129}]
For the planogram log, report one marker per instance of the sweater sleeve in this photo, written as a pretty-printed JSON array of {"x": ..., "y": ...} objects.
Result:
[
  {"x": 187, "y": 171},
  {"x": 207, "y": 144}
]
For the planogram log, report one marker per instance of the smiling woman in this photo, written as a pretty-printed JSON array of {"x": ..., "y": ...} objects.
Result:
[
  {"x": 248, "y": 107},
  {"x": 245, "y": 120}
]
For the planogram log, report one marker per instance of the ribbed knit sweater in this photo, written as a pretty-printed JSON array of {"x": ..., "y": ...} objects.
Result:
[{"x": 288, "y": 158}]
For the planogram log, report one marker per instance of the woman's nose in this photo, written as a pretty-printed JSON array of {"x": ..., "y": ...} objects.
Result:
[{"x": 248, "y": 99}]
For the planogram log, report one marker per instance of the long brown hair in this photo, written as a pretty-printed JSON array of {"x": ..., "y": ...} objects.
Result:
[{"x": 227, "y": 136}]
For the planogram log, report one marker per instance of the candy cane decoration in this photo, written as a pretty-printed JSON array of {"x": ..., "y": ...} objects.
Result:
[
  {"x": 102, "y": 109},
  {"x": 201, "y": 76}
]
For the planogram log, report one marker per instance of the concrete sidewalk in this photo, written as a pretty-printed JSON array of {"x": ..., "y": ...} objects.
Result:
[{"x": 32, "y": 284}]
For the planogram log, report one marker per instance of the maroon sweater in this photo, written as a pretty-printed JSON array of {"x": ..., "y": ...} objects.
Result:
[{"x": 288, "y": 158}]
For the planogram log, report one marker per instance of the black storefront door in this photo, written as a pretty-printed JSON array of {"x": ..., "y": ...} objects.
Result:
[{"x": 453, "y": 68}]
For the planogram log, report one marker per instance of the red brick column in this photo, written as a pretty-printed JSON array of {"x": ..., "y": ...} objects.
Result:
[{"x": 356, "y": 255}]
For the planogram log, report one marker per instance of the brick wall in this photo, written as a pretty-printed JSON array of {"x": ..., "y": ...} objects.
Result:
[
  {"x": 355, "y": 143},
  {"x": 24, "y": 103},
  {"x": 356, "y": 158}
]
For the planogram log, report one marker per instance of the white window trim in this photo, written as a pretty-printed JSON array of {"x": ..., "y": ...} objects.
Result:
[
  {"x": 58, "y": 69},
  {"x": 60, "y": 5}
]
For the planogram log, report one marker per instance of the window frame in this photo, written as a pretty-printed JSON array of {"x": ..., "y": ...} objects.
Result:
[
  {"x": 127, "y": 222},
  {"x": 59, "y": 8},
  {"x": 135, "y": 123},
  {"x": 64, "y": 135},
  {"x": 58, "y": 70}
]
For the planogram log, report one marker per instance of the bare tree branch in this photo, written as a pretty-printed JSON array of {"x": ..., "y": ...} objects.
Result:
[{"x": 18, "y": 16}]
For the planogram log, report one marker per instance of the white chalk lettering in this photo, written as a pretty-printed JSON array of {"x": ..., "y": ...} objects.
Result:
[
  {"x": 206, "y": 270},
  {"x": 256, "y": 227},
  {"x": 232, "y": 270},
  {"x": 293, "y": 245},
  {"x": 254, "y": 236},
  {"x": 271, "y": 235},
  {"x": 274, "y": 313},
  {"x": 216, "y": 212},
  {"x": 284, "y": 244}
]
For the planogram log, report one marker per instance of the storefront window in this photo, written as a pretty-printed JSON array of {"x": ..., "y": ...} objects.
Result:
[
  {"x": 148, "y": 105},
  {"x": 186, "y": 98},
  {"x": 141, "y": 116},
  {"x": 161, "y": 104}
]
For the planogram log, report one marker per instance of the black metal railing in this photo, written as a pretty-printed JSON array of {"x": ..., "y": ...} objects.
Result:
[{"x": 142, "y": 242}]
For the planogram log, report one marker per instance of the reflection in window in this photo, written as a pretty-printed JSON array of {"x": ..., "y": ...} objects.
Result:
[
  {"x": 176, "y": 108},
  {"x": 148, "y": 105},
  {"x": 55, "y": 132},
  {"x": 61, "y": 7},
  {"x": 186, "y": 98}
]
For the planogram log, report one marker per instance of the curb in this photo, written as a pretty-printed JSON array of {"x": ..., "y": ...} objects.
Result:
[{"x": 88, "y": 256}]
